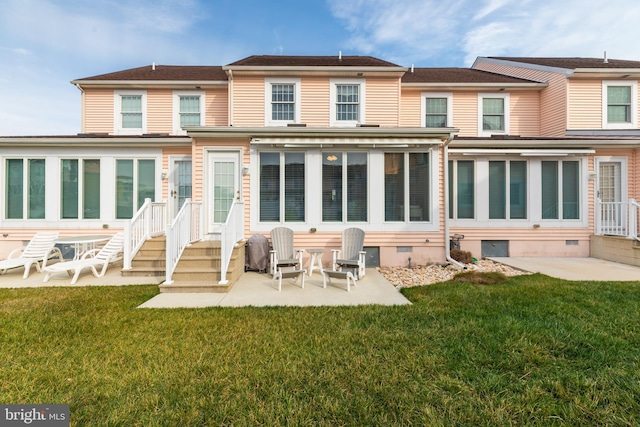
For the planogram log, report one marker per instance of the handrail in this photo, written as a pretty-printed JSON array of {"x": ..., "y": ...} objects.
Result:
[
  {"x": 634, "y": 217},
  {"x": 186, "y": 228},
  {"x": 232, "y": 231},
  {"x": 616, "y": 218},
  {"x": 149, "y": 221}
]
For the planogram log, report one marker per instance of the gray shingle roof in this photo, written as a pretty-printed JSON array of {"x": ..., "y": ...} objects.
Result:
[
  {"x": 166, "y": 73},
  {"x": 312, "y": 61},
  {"x": 457, "y": 75},
  {"x": 573, "y": 63}
]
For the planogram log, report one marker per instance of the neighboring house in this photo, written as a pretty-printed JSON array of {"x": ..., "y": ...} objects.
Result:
[{"x": 512, "y": 153}]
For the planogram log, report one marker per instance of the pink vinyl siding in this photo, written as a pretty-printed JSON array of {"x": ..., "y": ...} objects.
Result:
[
  {"x": 160, "y": 111},
  {"x": 217, "y": 107},
  {"x": 465, "y": 113},
  {"x": 315, "y": 95},
  {"x": 410, "y": 108},
  {"x": 524, "y": 114},
  {"x": 248, "y": 101},
  {"x": 585, "y": 104},
  {"x": 98, "y": 111},
  {"x": 383, "y": 102},
  {"x": 553, "y": 99}
]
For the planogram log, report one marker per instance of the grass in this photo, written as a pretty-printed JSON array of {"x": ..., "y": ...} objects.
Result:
[{"x": 530, "y": 351}]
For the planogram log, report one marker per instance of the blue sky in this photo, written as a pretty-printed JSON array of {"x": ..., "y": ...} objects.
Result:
[{"x": 46, "y": 43}]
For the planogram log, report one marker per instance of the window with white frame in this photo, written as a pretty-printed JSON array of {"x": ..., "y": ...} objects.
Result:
[
  {"x": 130, "y": 112},
  {"x": 560, "y": 189},
  {"x": 619, "y": 104},
  {"x": 407, "y": 187},
  {"x": 135, "y": 182},
  {"x": 436, "y": 109},
  {"x": 507, "y": 189},
  {"x": 282, "y": 187},
  {"x": 493, "y": 114},
  {"x": 25, "y": 192},
  {"x": 347, "y": 102},
  {"x": 344, "y": 186},
  {"x": 188, "y": 110},
  {"x": 80, "y": 189},
  {"x": 462, "y": 189},
  {"x": 282, "y": 101}
]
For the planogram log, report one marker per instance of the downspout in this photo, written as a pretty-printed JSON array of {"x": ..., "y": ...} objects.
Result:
[
  {"x": 82, "y": 105},
  {"x": 445, "y": 155},
  {"x": 230, "y": 94}
]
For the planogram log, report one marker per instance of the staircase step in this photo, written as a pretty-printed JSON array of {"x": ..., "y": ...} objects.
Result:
[{"x": 195, "y": 287}]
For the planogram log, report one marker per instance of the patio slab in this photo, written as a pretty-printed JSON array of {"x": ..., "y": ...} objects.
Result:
[
  {"x": 257, "y": 290},
  {"x": 575, "y": 268}
]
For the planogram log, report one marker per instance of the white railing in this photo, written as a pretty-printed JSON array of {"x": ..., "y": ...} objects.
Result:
[
  {"x": 231, "y": 232},
  {"x": 617, "y": 218},
  {"x": 186, "y": 228},
  {"x": 634, "y": 217},
  {"x": 149, "y": 221}
]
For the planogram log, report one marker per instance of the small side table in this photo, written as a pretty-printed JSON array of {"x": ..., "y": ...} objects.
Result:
[{"x": 315, "y": 261}]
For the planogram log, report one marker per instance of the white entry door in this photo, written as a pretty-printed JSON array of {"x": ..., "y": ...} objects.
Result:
[
  {"x": 223, "y": 176},
  {"x": 180, "y": 183},
  {"x": 610, "y": 191}
]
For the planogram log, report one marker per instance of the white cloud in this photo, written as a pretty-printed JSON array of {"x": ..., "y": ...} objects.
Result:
[{"x": 430, "y": 32}]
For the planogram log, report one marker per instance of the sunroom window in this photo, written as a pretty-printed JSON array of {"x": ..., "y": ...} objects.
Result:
[
  {"x": 25, "y": 189},
  {"x": 80, "y": 189},
  {"x": 560, "y": 190},
  {"x": 407, "y": 187},
  {"x": 344, "y": 187},
  {"x": 507, "y": 190},
  {"x": 461, "y": 189},
  {"x": 135, "y": 182},
  {"x": 282, "y": 187}
]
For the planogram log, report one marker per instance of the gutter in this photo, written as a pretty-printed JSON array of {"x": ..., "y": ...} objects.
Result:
[
  {"x": 82, "y": 106},
  {"x": 447, "y": 252}
]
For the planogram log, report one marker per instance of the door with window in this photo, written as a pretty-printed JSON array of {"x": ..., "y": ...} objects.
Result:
[
  {"x": 610, "y": 192},
  {"x": 223, "y": 178},
  {"x": 180, "y": 183}
]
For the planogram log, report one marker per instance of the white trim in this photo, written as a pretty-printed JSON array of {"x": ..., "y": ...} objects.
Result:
[
  {"x": 633, "y": 84},
  {"x": 361, "y": 102},
  {"x": 423, "y": 106},
  {"x": 117, "y": 112},
  {"x": 268, "y": 83},
  {"x": 505, "y": 97},
  {"x": 177, "y": 129}
]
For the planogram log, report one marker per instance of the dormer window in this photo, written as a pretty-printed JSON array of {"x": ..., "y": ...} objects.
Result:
[
  {"x": 619, "y": 105},
  {"x": 348, "y": 102},
  {"x": 282, "y": 102}
]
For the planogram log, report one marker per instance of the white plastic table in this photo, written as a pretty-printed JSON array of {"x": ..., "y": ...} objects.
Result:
[
  {"x": 82, "y": 244},
  {"x": 315, "y": 261}
]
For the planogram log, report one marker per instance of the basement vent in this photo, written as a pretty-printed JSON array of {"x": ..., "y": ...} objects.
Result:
[
  {"x": 404, "y": 248},
  {"x": 572, "y": 243}
]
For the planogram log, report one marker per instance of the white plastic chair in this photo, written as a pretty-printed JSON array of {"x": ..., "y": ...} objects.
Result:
[
  {"x": 94, "y": 259},
  {"x": 38, "y": 251}
]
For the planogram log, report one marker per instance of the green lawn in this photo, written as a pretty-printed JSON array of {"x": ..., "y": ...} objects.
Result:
[{"x": 531, "y": 351}]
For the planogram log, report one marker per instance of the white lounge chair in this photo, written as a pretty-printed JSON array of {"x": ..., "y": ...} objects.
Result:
[
  {"x": 352, "y": 254},
  {"x": 38, "y": 250},
  {"x": 283, "y": 254},
  {"x": 94, "y": 259}
]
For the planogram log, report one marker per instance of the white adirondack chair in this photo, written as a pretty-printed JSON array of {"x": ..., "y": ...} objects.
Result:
[
  {"x": 38, "y": 251},
  {"x": 352, "y": 255},
  {"x": 94, "y": 259}
]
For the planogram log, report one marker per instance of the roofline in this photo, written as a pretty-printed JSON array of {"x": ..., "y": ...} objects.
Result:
[
  {"x": 566, "y": 71},
  {"x": 91, "y": 141},
  {"x": 298, "y": 131},
  {"x": 149, "y": 82},
  {"x": 472, "y": 85},
  {"x": 318, "y": 68}
]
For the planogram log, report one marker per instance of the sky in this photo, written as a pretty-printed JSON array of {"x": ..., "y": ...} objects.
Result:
[{"x": 44, "y": 44}]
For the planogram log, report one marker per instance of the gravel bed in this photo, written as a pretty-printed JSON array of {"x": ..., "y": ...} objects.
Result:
[{"x": 402, "y": 277}]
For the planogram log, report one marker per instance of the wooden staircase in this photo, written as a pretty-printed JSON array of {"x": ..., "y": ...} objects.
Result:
[{"x": 197, "y": 271}]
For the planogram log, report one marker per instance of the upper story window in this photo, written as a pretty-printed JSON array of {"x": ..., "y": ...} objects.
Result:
[
  {"x": 436, "y": 109},
  {"x": 188, "y": 110},
  {"x": 282, "y": 102},
  {"x": 347, "y": 102},
  {"x": 619, "y": 104},
  {"x": 130, "y": 112},
  {"x": 493, "y": 114}
]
